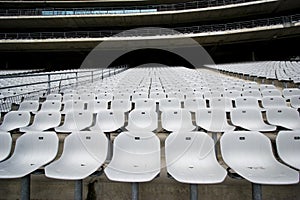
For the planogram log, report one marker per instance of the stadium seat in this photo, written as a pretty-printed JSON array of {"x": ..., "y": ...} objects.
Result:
[
  {"x": 15, "y": 119},
  {"x": 136, "y": 157},
  {"x": 139, "y": 95},
  {"x": 213, "y": 120},
  {"x": 271, "y": 93},
  {"x": 295, "y": 101},
  {"x": 121, "y": 105},
  {"x": 83, "y": 153},
  {"x": 5, "y": 145},
  {"x": 190, "y": 158},
  {"x": 255, "y": 93},
  {"x": 95, "y": 106},
  {"x": 157, "y": 95},
  {"x": 122, "y": 96},
  {"x": 53, "y": 97},
  {"x": 221, "y": 103},
  {"x": 108, "y": 121},
  {"x": 249, "y": 153},
  {"x": 73, "y": 105},
  {"x": 33, "y": 150},
  {"x": 70, "y": 97},
  {"x": 247, "y": 102},
  {"x": 194, "y": 104},
  {"x": 250, "y": 119},
  {"x": 142, "y": 120},
  {"x": 145, "y": 104},
  {"x": 273, "y": 102},
  {"x": 169, "y": 104},
  {"x": 75, "y": 121},
  {"x": 289, "y": 92},
  {"x": 232, "y": 94},
  {"x": 284, "y": 117},
  {"x": 105, "y": 96},
  {"x": 43, "y": 120},
  {"x": 51, "y": 106},
  {"x": 288, "y": 147},
  {"x": 29, "y": 106},
  {"x": 179, "y": 120}
]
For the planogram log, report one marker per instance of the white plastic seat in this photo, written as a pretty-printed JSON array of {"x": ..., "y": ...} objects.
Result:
[
  {"x": 249, "y": 153},
  {"x": 252, "y": 93},
  {"x": 142, "y": 120},
  {"x": 51, "y": 106},
  {"x": 33, "y": 150},
  {"x": 15, "y": 119},
  {"x": 273, "y": 102},
  {"x": 145, "y": 104},
  {"x": 194, "y": 95},
  {"x": 76, "y": 121},
  {"x": 213, "y": 120},
  {"x": 30, "y": 106},
  {"x": 176, "y": 95},
  {"x": 70, "y": 97},
  {"x": 289, "y": 92},
  {"x": 83, "y": 153},
  {"x": 54, "y": 97},
  {"x": 87, "y": 97},
  {"x": 169, "y": 104},
  {"x": 250, "y": 119},
  {"x": 139, "y": 95},
  {"x": 108, "y": 121},
  {"x": 288, "y": 147},
  {"x": 232, "y": 94},
  {"x": 284, "y": 117},
  {"x": 247, "y": 102},
  {"x": 73, "y": 105},
  {"x": 136, "y": 157},
  {"x": 157, "y": 95},
  {"x": 105, "y": 96},
  {"x": 194, "y": 104},
  {"x": 122, "y": 96},
  {"x": 5, "y": 145},
  {"x": 177, "y": 120},
  {"x": 221, "y": 103},
  {"x": 295, "y": 101},
  {"x": 271, "y": 93},
  {"x": 96, "y": 106},
  {"x": 121, "y": 105},
  {"x": 212, "y": 94},
  {"x": 263, "y": 87},
  {"x": 43, "y": 120},
  {"x": 190, "y": 158}
]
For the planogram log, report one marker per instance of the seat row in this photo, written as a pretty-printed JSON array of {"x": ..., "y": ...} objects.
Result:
[{"x": 190, "y": 156}]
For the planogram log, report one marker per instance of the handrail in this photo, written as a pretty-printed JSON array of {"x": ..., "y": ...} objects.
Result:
[
  {"x": 282, "y": 20},
  {"x": 120, "y": 10}
]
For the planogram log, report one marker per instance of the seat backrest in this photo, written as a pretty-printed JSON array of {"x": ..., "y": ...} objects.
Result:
[
  {"x": 109, "y": 120},
  {"x": 15, "y": 119},
  {"x": 54, "y": 97},
  {"x": 273, "y": 101},
  {"x": 220, "y": 103},
  {"x": 122, "y": 105},
  {"x": 232, "y": 94},
  {"x": 295, "y": 101},
  {"x": 175, "y": 120},
  {"x": 289, "y": 92},
  {"x": 245, "y": 102},
  {"x": 78, "y": 120},
  {"x": 5, "y": 145},
  {"x": 30, "y": 106},
  {"x": 44, "y": 120},
  {"x": 139, "y": 95},
  {"x": 73, "y": 105},
  {"x": 145, "y": 104},
  {"x": 87, "y": 96},
  {"x": 142, "y": 120},
  {"x": 278, "y": 116},
  {"x": 194, "y": 104},
  {"x": 104, "y": 96},
  {"x": 271, "y": 92},
  {"x": 51, "y": 106},
  {"x": 169, "y": 104},
  {"x": 95, "y": 106},
  {"x": 70, "y": 97}
]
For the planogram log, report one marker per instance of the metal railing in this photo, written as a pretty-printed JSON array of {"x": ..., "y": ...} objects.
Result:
[
  {"x": 5, "y": 103},
  {"x": 119, "y": 10},
  {"x": 283, "y": 20}
]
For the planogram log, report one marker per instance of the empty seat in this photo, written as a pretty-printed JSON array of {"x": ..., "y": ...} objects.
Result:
[
  {"x": 284, "y": 117},
  {"x": 96, "y": 106},
  {"x": 263, "y": 87},
  {"x": 121, "y": 105},
  {"x": 145, "y": 104},
  {"x": 295, "y": 101},
  {"x": 232, "y": 94},
  {"x": 123, "y": 96},
  {"x": 271, "y": 92},
  {"x": 73, "y": 105},
  {"x": 142, "y": 120},
  {"x": 250, "y": 119},
  {"x": 76, "y": 121},
  {"x": 105, "y": 96},
  {"x": 5, "y": 145},
  {"x": 288, "y": 147},
  {"x": 221, "y": 103},
  {"x": 176, "y": 95},
  {"x": 54, "y": 97},
  {"x": 213, "y": 119},
  {"x": 157, "y": 95},
  {"x": 43, "y": 120},
  {"x": 51, "y": 106},
  {"x": 169, "y": 104},
  {"x": 139, "y": 95},
  {"x": 289, "y": 92},
  {"x": 252, "y": 93},
  {"x": 273, "y": 102},
  {"x": 211, "y": 94},
  {"x": 247, "y": 102},
  {"x": 108, "y": 121},
  {"x": 194, "y": 95},
  {"x": 190, "y": 158},
  {"x": 136, "y": 157},
  {"x": 33, "y": 150},
  {"x": 83, "y": 153},
  {"x": 194, "y": 104},
  {"x": 249, "y": 153},
  {"x": 177, "y": 120},
  {"x": 87, "y": 97},
  {"x": 30, "y": 106},
  {"x": 70, "y": 97},
  {"x": 15, "y": 119}
]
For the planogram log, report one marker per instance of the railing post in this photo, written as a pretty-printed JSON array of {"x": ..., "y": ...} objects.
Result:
[
  {"x": 78, "y": 190},
  {"x": 25, "y": 187},
  {"x": 256, "y": 191},
  {"x": 193, "y": 192},
  {"x": 135, "y": 191},
  {"x": 49, "y": 84}
]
